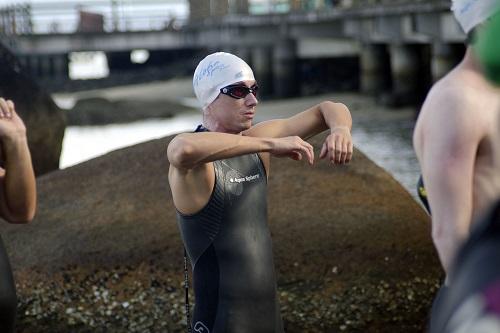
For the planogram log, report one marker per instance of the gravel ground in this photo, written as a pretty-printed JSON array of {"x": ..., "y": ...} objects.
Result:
[{"x": 148, "y": 298}]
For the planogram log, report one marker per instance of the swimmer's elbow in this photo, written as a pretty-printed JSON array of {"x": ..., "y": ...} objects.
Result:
[
  {"x": 446, "y": 247},
  {"x": 438, "y": 236},
  {"x": 20, "y": 218},
  {"x": 333, "y": 106},
  {"x": 441, "y": 229},
  {"x": 445, "y": 239},
  {"x": 180, "y": 153},
  {"x": 337, "y": 109}
]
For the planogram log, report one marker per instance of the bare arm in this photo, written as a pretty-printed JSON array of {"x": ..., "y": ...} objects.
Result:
[
  {"x": 446, "y": 143},
  {"x": 326, "y": 115},
  {"x": 191, "y": 174},
  {"x": 190, "y": 150},
  {"x": 17, "y": 179}
]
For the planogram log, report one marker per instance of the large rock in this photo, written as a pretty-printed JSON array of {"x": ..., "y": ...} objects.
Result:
[
  {"x": 44, "y": 120},
  {"x": 353, "y": 249}
]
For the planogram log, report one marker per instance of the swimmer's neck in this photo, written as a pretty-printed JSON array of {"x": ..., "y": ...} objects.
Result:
[{"x": 470, "y": 61}]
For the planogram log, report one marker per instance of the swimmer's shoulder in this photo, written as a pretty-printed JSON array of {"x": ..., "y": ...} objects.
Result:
[
  {"x": 448, "y": 103},
  {"x": 455, "y": 93}
]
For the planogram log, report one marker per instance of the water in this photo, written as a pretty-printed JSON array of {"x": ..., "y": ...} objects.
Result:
[
  {"x": 82, "y": 143},
  {"x": 388, "y": 142}
]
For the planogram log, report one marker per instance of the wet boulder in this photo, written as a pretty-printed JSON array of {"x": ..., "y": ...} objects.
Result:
[{"x": 352, "y": 248}]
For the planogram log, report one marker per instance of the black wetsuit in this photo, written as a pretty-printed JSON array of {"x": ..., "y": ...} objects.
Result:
[
  {"x": 229, "y": 245},
  {"x": 8, "y": 298}
]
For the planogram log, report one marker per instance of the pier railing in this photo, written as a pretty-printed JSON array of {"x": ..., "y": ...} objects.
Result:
[
  {"x": 92, "y": 16},
  {"x": 16, "y": 19}
]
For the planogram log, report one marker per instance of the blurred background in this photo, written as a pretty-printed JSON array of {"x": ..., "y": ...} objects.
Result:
[{"x": 120, "y": 69}]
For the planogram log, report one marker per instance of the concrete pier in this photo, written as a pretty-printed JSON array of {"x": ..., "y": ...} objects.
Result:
[
  {"x": 405, "y": 73},
  {"x": 400, "y": 47},
  {"x": 60, "y": 63},
  {"x": 244, "y": 53},
  {"x": 262, "y": 69},
  {"x": 285, "y": 69},
  {"x": 443, "y": 59},
  {"x": 372, "y": 68}
]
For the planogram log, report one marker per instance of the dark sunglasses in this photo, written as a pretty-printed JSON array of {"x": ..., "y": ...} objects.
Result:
[{"x": 239, "y": 91}]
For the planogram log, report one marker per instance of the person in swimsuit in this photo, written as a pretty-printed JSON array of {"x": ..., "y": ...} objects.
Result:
[
  {"x": 454, "y": 139},
  {"x": 218, "y": 178},
  {"x": 472, "y": 305},
  {"x": 17, "y": 199}
]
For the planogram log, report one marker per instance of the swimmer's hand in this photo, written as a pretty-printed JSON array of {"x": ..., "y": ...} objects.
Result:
[
  {"x": 337, "y": 147},
  {"x": 11, "y": 126},
  {"x": 292, "y": 147}
]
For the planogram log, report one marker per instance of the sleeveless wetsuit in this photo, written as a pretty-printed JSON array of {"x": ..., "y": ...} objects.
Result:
[
  {"x": 229, "y": 245},
  {"x": 8, "y": 298}
]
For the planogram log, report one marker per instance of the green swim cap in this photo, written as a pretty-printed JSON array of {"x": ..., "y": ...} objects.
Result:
[{"x": 488, "y": 48}]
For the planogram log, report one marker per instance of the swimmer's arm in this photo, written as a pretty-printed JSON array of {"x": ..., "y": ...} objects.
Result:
[
  {"x": 17, "y": 179},
  {"x": 191, "y": 150},
  {"x": 338, "y": 145},
  {"x": 447, "y": 150}
]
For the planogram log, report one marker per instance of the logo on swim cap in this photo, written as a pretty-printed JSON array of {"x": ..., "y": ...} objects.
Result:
[
  {"x": 470, "y": 13},
  {"x": 216, "y": 71}
]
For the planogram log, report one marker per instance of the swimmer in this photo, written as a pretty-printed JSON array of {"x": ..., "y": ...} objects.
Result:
[
  {"x": 474, "y": 280},
  {"x": 454, "y": 139},
  {"x": 17, "y": 199},
  {"x": 218, "y": 178}
]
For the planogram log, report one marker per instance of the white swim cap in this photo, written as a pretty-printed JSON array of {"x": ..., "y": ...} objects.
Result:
[
  {"x": 216, "y": 71},
  {"x": 470, "y": 13}
]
